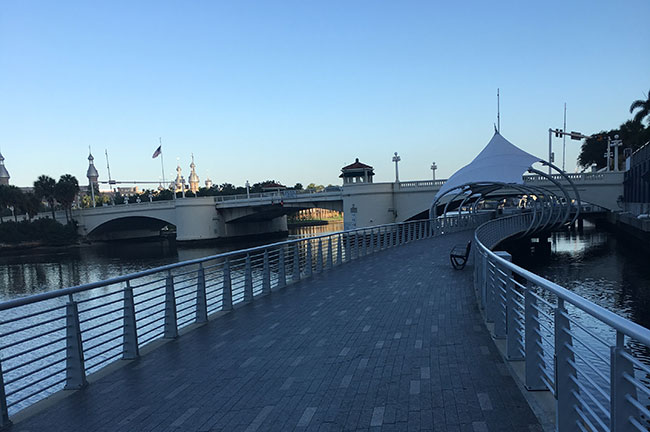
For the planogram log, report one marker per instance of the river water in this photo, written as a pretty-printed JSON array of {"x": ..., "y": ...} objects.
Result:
[
  {"x": 34, "y": 271},
  {"x": 600, "y": 266}
]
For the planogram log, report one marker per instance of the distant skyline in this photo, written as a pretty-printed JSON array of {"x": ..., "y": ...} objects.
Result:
[{"x": 296, "y": 90}]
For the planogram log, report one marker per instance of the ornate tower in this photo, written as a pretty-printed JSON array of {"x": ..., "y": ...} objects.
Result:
[
  {"x": 194, "y": 179},
  {"x": 93, "y": 176},
  {"x": 178, "y": 183},
  {"x": 4, "y": 174}
]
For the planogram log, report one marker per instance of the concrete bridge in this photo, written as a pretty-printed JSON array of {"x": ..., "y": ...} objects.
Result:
[{"x": 363, "y": 204}]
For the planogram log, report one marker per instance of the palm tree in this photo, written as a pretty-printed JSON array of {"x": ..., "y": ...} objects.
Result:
[
  {"x": 15, "y": 200},
  {"x": 644, "y": 108},
  {"x": 4, "y": 200},
  {"x": 31, "y": 205},
  {"x": 65, "y": 192},
  {"x": 44, "y": 189}
]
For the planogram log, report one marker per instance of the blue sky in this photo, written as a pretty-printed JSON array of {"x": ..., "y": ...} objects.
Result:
[{"x": 294, "y": 90}]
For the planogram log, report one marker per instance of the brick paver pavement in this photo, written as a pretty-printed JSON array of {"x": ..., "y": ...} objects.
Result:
[{"x": 391, "y": 341}]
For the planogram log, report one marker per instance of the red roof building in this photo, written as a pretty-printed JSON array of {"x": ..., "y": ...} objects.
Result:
[
  {"x": 357, "y": 173},
  {"x": 272, "y": 187}
]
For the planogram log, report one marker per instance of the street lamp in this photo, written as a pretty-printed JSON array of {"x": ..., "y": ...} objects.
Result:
[
  {"x": 248, "y": 189},
  {"x": 434, "y": 167},
  {"x": 396, "y": 159}
]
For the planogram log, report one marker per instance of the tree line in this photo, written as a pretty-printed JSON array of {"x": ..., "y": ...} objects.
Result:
[
  {"x": 633, "y": 133},
  {"x": 14, "y": 200}
]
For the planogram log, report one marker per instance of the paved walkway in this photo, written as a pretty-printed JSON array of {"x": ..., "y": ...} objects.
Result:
[{"x": 392, "y": 341}]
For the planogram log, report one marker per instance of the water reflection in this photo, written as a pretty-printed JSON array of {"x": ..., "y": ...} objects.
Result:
[
  {"x": 33, "y": 271},
  {"x": 599, "y": 266}
]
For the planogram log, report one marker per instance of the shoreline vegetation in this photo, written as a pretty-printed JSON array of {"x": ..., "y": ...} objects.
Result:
[
  {"x": 37, "y": 233},
  {"x": 305, "y": 223}
]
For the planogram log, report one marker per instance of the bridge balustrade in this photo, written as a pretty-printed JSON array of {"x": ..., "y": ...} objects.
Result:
[
  {"x": 54, "y": 340},
  {"x": 589, "y": 358}
]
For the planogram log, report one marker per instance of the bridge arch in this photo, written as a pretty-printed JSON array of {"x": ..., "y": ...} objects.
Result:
[{"x": 129, "y": 227}]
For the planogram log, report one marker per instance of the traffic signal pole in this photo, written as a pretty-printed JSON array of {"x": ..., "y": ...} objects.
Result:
[
  {"x": 562, "y": 133},
  {"x": 550, "y": 148}
]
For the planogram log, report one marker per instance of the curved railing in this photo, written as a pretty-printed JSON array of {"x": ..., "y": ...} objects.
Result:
[
  {"x": 53, "y": 340},
  {"x": 589, "y": 358}
]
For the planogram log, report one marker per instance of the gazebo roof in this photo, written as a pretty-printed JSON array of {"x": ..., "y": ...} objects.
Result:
[{"x": 357, "y": 168}]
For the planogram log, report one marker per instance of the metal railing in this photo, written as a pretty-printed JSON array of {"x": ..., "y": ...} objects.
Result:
[
  {"x": 52, "y": 341},
  {"x": 421, "y": 183},
  {"x": 613, "y": 176},
  {"x": 589, "y": 358},
  {"x": 281, "y": 195}
]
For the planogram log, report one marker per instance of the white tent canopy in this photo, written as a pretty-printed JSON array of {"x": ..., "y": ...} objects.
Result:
[{"x": 499, "y": 162}]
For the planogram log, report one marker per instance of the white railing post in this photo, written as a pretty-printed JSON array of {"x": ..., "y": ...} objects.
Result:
[
  {"x": 4, "y": 409},
  {"x": 339, "y": 250},
  {"x": 477, "y": 272},
  {"x": 171, "y": 325},
  {"x": 226, "y": 295},
  {"x": 348, "y": 248},
  {"x": 391, "y": 229},
  {"x": 490, "y": 310},
  {"x": 296, "y": 263},
  {"x": 319, "y": 257},
  {"x": 513, "y": 330},
  {"x": 75, "y": 371},
  {"x": 329, "y": 253},
  {"x": 501, "y": 312},
  {"x": 308, "y": 263},
  {"x": 266, "y": 274},
  {"x": 282, "y": 274},
  {"x": 533, "y": 344},
  {"x": 364, "y": 246},
  {"x": 620, "y": 368},
  {"x": 484, "y": 282},
  {"x": 201, "y": 299},
  {"x": 130, "y": 348},
  {"x": 248, "y": 280},
  {"x": 565, "y": 372},
  {"x": 372, "y": 241}
]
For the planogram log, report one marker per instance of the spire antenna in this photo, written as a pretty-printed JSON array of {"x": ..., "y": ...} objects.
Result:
[{"x": 498, "y": 113}]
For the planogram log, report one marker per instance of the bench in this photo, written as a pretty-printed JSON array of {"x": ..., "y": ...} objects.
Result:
[{"x": 459, "y": 254}]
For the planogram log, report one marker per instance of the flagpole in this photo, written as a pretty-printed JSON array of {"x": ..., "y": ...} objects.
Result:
[{"x": 162, "y": 164}]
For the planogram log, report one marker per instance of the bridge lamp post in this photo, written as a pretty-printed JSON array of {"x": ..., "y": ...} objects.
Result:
[
  {"x": 150, "y": 197},
  {"x": 434, "y": 167},
  {"x": 248, "y": 189},
  {"x": 616, "y": 143},
  {"x": 396, "y": 159}
]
